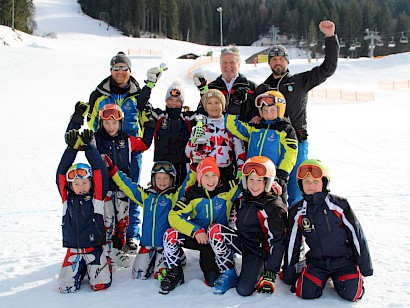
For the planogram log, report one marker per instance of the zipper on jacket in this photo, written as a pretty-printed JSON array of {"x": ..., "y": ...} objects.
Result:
[
  {"x": 153, "y": 207},
  {"x": 327, "y": 219},
  {"x": 96, "y": 226},
  {"x": 76, "y": 229},
  {"x": 262, "y": 140}
]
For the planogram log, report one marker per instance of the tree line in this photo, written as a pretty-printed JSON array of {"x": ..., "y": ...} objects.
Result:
[{"x": 243, "y": 21}]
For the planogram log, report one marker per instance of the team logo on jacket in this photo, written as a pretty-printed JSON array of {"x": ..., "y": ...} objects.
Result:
[
  {"x": 307, "y": 226},
  {"x": 290, "y": 88},
  {"x": 164, "y": 123},
  {"x": 218, "y": 205},
  {"x": 163, "y": 202},
  {"x": 87, "y": 198},
  {"x": 92, "y": 237},
  {"x": 121, "y": 143},
  {"x": 271, "y": 137}
]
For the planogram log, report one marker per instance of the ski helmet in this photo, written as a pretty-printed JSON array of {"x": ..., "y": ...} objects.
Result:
[
  {"x": 262, "y": 167},
  {"x": 111, "y": 111},
  {"x": 163, "y": 167},
  {"x": 278, "y": 50},
  {"x": 79, "y": 171},
  {"x": 316, "y": 169},
  {"x": 270, "y": 98}
]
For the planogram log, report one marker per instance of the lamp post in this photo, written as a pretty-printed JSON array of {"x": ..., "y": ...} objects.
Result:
[
  {"x": 219, "y": 9},
  {"x": 12, "y": 16}
]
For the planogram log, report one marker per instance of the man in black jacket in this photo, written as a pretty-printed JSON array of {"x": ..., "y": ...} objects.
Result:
[{"x": 295, "y": 88}]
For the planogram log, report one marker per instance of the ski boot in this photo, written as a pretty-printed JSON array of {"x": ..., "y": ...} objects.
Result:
[
  {"x": 225, "y": 281},
  {"x": 131, "y": 246},
  {"x": 173, "y": 278},
  {"x": 119, "y": 258}
]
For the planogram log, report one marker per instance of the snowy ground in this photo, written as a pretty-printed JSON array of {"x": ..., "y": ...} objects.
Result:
[{"x": 366, "y": 146}]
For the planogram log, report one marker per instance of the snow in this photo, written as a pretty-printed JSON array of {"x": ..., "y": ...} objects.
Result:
[{"x": 366, "y": 145}]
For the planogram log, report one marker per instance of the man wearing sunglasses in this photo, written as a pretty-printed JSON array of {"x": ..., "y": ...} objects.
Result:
[
  {"x": 295, "y": 88},
  {"x": 122, "y": 89}
]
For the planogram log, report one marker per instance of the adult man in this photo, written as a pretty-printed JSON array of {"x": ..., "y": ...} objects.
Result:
[
  {"x": 295, "y": 89},
  {"x": 122, "y": 89},
  {"x": 232, "y": 84}
]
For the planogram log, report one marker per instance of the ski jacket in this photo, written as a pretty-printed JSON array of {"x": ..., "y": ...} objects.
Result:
[
  {"x": 200, "y": 208},
  {"x": 83, "y": 215},
  {"x": 131, "y": 99},
  {"x": 172, "y": 131},
  {"x": 156, "y": 205},
  {"x": 248, "y": 108},
  {"x": 261, "y": 224},
  {"x": 273, "y": 139},
  {"x": 331, "y": 231},
  {"x": 295, "y": 88},
  {"x": 119, "y": 148},
  {"x": 220, "y": 144}
]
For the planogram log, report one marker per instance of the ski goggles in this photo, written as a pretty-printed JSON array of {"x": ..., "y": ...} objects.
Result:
[
  {"x": 123, "y": 68},
  {"x": 278, "y": 52},
  {"x": 106, "y": 114},
  {"x": 77, "y": 174},
  {"x": 268, "y": 100},
  {"x": 175, "y": 92},
  {"x": 250, "y": 167},
  {"x": 162, "y": 166},
  {"x": 315, "y": 171}
]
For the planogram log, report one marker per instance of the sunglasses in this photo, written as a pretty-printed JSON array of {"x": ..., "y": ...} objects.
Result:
[
  {"x": 250, "y": 167},
  {"x": 230, "y": 50},
  {"x": 77, "y": 174},
  {"x": 315, "y": 171},
  {"x": 175, "y": 92},
  {"x": 268, "y": 100},
  {"x": 111, "y": 113},
  {"x": 167, "y": 167},
  {"x": 116, "y": 68}
]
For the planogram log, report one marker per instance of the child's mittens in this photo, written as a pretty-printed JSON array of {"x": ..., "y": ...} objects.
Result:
[
  {"x": 112, "y": 169},
  {"x": 266, "y": 283},
  {"x": 71, "y": 137}
]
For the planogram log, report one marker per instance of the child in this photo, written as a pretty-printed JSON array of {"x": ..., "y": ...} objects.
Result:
[
  {"x": 157, "y": 201},
  {"x": 82, "y": 189},
  {"x": 203, "y": 204},
  {"x": 172, "y": 131},
  {"x": 118, "y": 145},
  {"x": 228, "y": 151},
  {"x": 274, "y": 137},
  {"x": 337, "y": 245},
  {"x": 260, "y": 236}
]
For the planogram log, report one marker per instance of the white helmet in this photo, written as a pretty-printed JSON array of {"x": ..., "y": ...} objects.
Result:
[{"x": 263, "y": 167}]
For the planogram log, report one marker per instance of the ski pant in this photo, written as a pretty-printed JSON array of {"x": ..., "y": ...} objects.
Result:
[
  {"x": 175, "y": 240},
  {"x": 347, "y": 279},
  {"x": 134, "y": 210},
  {"x": 294, "y": 193},
  {"x": 116, "y": 219},
  {"x": 225, "y": 243},
  {"x": 91, "y": 261},
  {"x": 148, "y": 260}
]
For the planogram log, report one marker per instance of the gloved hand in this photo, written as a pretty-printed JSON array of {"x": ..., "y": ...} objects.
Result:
[
  {"x": 301, "y": 134},
  {"x": 266, "y": 283},
  {"x": 87, "y": 136},
  {"x": 112, "y": 169},
  {"x": 80, "y": 111},
  {"x": 153, "y": 75},
  {"x": 71, "y": 137},
  {"x": 282, "y": 177},
  {"x": 239, "y": 96},
  {"x": 198, "y": 135},
  {"x": 200, "y": 82}
]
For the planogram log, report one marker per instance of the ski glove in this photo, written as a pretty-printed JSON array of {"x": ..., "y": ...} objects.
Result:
[
  {"x": 112, "y": 169},
  {"x": 87, "y": 136},
  {"x": 239, "y": 96},
  {"x": 71, "y": 137},
  {"x": 80, "y": 111},
  {"x": 153, "y": 75},
  {"x": 200, "y": 82},
  {"x": 266, "y": 283}
]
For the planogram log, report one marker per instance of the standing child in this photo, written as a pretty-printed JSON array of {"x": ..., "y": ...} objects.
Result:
[
  {"x": 172, "y": 131},
  {"x": 203, "y": 204},
  {"x": 82, "y": 189},
  {"x": 157, "y": 201},
  {"x": 260, "y": 236},
  {"x": 228, "y": 151},
  {"x": 274, "y": 137},
  {"x": 337, "y": 245}
]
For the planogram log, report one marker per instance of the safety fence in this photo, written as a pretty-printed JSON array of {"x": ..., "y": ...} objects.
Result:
[
  {"x": 394, "y": 84},
  {"x": 342, "y": 95},
  {"x": 203, "y": 60},
  {"x": 145, "y": 52}
]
